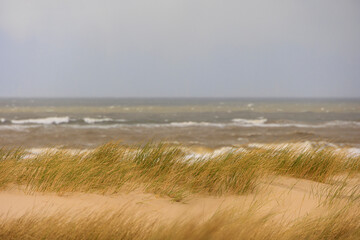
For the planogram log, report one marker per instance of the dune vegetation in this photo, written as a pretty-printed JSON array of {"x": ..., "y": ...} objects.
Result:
[
  {"x": 230, "y": 224},
  {"x": 170, "y": 171},
  {"x": 165, "y": 169}
]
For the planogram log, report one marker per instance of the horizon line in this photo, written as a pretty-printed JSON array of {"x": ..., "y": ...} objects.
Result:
[{"x": 170, "y": 97}]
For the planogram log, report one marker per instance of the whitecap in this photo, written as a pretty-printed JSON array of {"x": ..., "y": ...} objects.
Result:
[
  {"x": 18, "y": 128},
  {"x": 45, "y": 121},
  {"x": 251, "y": 122},
  {"x": 342, "y": 123},
  {"x": 250, "y": 105},
  {"x": 197, "y": 124},
  {"x": 99, "y": 120},
  {"x": 353, "y": 152},
  {"x": 238, "y": 122},
  {"x": 262, "y": 122},
  {"x": 214, "y": 154}
]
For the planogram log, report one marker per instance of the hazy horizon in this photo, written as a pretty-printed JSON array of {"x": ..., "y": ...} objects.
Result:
[
  {"x": 180, "y": 49},
  {"x": 180, "y": 98}
]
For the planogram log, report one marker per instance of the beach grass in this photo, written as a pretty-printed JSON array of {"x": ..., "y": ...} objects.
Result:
[
  {"x": 167, "y": 169},
  {"x": 342, "y": 223},
  {"x": 176, "y": 172}
]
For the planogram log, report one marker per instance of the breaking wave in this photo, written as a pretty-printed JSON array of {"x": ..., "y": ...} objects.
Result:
[
  {"x": 263, "y": 122},
  {"x": 251, "y": 122},
  {"x": 300, "y": 147},
  {"x": 107, "y": 122},
  {"x": 192, "y": 124},
  {"x": 102, "y": 120},
  {"x": 45, "y": 121}
]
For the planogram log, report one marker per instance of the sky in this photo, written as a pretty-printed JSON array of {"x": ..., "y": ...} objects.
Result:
[{"x": 180, "y": 48}]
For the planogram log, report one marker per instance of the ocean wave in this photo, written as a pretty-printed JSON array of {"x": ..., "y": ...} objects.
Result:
[
  {"x": 191, "y": 155},
  {"x": 107, "y": 122},
  {"x": 151, "y": 125},
  {"x": 252, "y": 122},
  {"x": 299, "y": 147},
  {"x": 45, "y": 121},
  {"x": 342, "y": 123},
  {"x": 353, "y": 152},
  {"x": 195, "y": 124},
  {"x": 17, "y": 128},
  {"x": 263, "y": 122},
  {"x": 101, "y": 120}
]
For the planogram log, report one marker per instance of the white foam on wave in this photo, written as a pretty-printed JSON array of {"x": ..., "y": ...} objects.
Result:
[
  {"x": 96, "y": 120},
  {"x": 151, "y": 125},
  {"x": 196, "y": 124},
  {"x": 250, "y": 105},
  {"x": 353, "y": 152},
  {"x": 237, "y": 122},
  {"x": 262, "y": 122},
  {"x": 2, "y": 120},
  {"x": 33, "y": 152},
  {"x": 191, "y": 155},
  {"x": 96, "y": 126},
  {"x": 177, "y": 124},
  {"x": 45, "y": 121},
  {"x": 299, "y": 147},
  {"x": 342, "y": 123},
  {"x": 100, "y": 120},
  {"x": 18, "y": 128},
  {"x": 216, "y": 153},
  {"x": 252, "y": 122},
  {"x": 209, "y": 124}
]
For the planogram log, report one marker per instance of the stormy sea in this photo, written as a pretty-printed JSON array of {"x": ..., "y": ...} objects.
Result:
[{"x": 207, "y": 122}]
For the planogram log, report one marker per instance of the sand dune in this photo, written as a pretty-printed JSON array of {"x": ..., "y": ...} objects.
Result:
[{"x": 288, "y": 198}]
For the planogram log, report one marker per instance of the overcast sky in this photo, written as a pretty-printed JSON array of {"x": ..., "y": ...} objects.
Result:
[{"x": 180, "y": 48}]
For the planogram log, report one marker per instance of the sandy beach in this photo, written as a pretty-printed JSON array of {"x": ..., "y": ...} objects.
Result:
[
  {"x": 281, "y": 200},
  {"x": 288, "y": 198}
]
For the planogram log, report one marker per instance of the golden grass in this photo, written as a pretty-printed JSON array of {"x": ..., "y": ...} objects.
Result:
[
  {"x": 227, "y": 224},
  {"x": 166, "y": 169},
  {"x": 163, "y": 169}
]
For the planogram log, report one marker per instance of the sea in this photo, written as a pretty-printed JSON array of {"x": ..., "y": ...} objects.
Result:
[{"x": 208, "y": 122}]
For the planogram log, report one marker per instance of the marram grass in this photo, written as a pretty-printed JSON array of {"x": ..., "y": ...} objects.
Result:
[
  {"x": 226, "y": 224},
  {"x": 165, "y": 169}
]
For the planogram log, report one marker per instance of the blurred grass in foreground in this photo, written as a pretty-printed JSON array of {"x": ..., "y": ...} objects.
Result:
[{"x": 228, "y": 224}]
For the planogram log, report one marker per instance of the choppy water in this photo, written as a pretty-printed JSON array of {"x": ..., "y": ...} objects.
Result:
[{"x": 208, "y": 122}]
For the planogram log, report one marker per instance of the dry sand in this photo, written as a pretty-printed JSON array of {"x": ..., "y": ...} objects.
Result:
[{"x": 289, "y": 198}]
